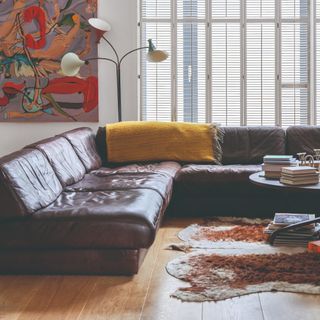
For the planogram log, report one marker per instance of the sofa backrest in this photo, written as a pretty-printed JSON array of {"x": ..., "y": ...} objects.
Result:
[
  {"x": 62, "y": 158},
  {"x": 303, "y": 139},
  {"x": 248, "y": 145},
  {"x": 29, "y": 182},
  {"x": 83, "y": 143}
]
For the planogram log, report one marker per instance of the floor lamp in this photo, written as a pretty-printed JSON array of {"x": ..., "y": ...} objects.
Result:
[{"x": 71, "y": 63}]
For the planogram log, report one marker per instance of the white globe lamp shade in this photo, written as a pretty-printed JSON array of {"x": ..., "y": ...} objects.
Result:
[
  {"x": 99, "y": 24},
  {"x": 71, "y": 64}
]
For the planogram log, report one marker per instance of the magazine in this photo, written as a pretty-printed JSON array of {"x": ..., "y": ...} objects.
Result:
[{"x": 285, "y": 219}]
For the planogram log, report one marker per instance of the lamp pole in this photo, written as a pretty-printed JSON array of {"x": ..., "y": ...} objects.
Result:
[{"x": 118, "y": 62}]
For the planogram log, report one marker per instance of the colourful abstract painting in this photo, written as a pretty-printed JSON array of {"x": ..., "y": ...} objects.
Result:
[{"x": 34, "y": 36}]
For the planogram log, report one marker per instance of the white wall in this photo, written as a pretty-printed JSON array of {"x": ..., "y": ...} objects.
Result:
[{"x": 122, "y": 15}]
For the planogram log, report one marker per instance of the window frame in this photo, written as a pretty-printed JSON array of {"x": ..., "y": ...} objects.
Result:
[{"x": 312, "y": 22}]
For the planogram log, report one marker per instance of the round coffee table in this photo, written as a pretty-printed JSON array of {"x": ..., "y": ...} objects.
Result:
[{"x": 259, "y": 180}]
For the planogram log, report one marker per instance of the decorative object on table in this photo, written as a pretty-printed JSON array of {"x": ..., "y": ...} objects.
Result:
[
  {"x": 316, "y": 158},
  {"x": 33, "y": 39},
  {"x": 293, "y": 229},
  {"x": 316, "y": 154},
  {"x": 305, "y": 160},
  {"x": 165, "y": 141},
  {"x": 298, "y": 176},
  {"x": 301, "y": 157},
  {"x": 71, "y": 63},
  {"x": 272, "y": 165},
  {"x": 217, "y": 273}
]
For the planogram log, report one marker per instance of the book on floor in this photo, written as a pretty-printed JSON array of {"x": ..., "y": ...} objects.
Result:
[
  {"x": 300, "y": 236},
  {"x": 285, "y": 219}
]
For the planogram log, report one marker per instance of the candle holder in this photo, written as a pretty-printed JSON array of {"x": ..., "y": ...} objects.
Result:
[
  {"x": 317, "y": 158},
  {"x": 317, "y": 154},
  {"x": 301, "y": 157}
]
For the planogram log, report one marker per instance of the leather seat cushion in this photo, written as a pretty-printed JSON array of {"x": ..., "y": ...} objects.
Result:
[
  {"x": 214, "y": 179},
  {"x": 31, "y": 179},
  {"x": 104, "y": 181},
  {"x": 62, "y": 158},
  {"x": 83, "y": 142},
  {"x": 169, "y": 168},
  {"x": 84, "y": 220}
]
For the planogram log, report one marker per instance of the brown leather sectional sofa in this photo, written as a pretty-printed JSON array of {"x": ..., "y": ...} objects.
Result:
[{"x": 64, "y": 210}]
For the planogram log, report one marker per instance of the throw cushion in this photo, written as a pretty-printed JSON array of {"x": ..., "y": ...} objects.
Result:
[{"x": 161, "y": 141}]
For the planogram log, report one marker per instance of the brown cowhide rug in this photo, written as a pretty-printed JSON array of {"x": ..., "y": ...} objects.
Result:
[{"x": 229, "y": 257}]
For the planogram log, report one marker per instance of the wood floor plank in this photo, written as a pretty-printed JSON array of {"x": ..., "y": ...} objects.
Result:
[
  {"x": 180, "y": 223},
  {"x": 283, "y": 306},
  {"x": 244, "y": 308},
  {"x": 121, "y": 298},
  {"x": 145, "y": 296},
  {"x": 61, "y": 297},
  {"x": 39, "y": 304},
  {"x": 17, "y": 294},
  {"x": 139, "y": 291},
  {"x": 159, "y": 304}
]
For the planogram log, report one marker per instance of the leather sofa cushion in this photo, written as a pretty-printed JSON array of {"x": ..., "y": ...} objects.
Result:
[
  {"x": 102, "y": 181},
  {"x": 11, "y": 207},
  {"x": 214, "y": 179},
  {"x": 303, "y": 139},
  {"x": 156, "y": 176},
  {"x": 125, "y": 219},
  {"x": 83, "y": 142},
  {"x": 31, "y": 179},
  {"x": 169, "y": 168},
  {"x": 63, "y": 159},
  {"x": 248, "y": 145}
]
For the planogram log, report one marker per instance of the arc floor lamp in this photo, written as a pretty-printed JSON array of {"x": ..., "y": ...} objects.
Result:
[{"x": 71, "y": 63}]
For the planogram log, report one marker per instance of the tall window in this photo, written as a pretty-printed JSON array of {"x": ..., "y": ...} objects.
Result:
[{"x": 235, "y": 62}]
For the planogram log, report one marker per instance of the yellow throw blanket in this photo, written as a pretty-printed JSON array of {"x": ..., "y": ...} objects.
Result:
[{"x": 160, "y": 141}]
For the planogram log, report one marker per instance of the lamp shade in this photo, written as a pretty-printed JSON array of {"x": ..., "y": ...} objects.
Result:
[
  {"x": 71, "y": 64},
  {"x": 100, "y": 26},
  {"x": 155, "y": 55}
]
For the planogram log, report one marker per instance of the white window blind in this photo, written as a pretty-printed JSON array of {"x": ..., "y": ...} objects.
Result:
[
  {"x": 156, "y": 88},
  {"x": 191, "y": 60},
  {"x": 235, "y": 62},
  {"x": 226, "y": 62},
  {"x": 226, "y": 73},
  {"x": 260, "y": 72},
  {"x": 294, "y": 61}
]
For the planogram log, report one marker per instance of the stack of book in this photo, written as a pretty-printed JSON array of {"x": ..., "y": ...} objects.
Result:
[
  {"x": 296, "y": 237},
  {"x": 273, "y": 164},
  {"x": 298, "y": 176}
]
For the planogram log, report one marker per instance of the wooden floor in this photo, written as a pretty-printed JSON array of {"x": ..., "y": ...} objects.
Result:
[{"x": 145, "y": 296}]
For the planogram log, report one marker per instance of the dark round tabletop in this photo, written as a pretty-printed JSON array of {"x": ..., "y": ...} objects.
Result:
[{"x": 259, "y": 180}]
